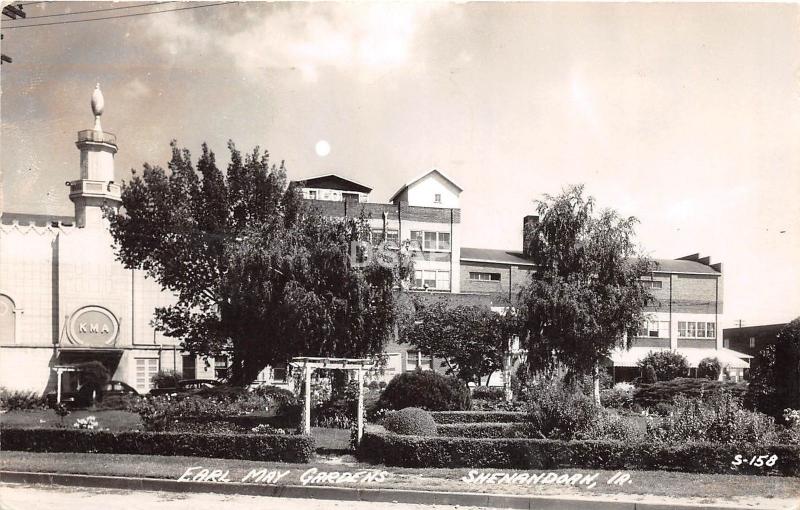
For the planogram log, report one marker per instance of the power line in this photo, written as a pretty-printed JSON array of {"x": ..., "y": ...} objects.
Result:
[
  {"x": 118, "y": 16},
  {"x": 96, "y": 10}
]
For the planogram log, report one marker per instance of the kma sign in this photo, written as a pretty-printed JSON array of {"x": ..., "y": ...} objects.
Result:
[{"x": 93, "y": 326}]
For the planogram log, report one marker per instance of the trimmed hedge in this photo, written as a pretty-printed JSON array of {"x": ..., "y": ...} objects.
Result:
[
  {"x": 480, "y": 430},
  {"x": 281, "y": 448},
  {"x": 443, "y": 452},
  {"x": 446, "y": 417}
]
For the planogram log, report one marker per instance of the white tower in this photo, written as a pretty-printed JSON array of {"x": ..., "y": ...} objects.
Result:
[{"x": 96, "y": 187}]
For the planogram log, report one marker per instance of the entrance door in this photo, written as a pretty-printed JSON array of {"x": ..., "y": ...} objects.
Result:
[{"x": 146, "y": 368}]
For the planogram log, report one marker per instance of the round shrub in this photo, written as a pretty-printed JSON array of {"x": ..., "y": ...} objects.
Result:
[
  {"x": 709, "y": 368},
  {"x": 426, "y": 389},
  {"x": 667, "y": 364},
  {"x": 411, "y": 421}
]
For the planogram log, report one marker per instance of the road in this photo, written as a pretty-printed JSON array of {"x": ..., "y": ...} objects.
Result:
[{"x": 34, "y": 497}]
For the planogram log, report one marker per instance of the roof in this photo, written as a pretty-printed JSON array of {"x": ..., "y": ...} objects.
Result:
[
  {"x": 684, "y": 266},
  {"x": 422, "y": 176},
  {"x": 41, "y": 220},
  {"x": 495, "y": 256},
  {"x": 333, "y": 181},
  {"x": 517, "y": 258},
  {"x": 726, "y": 357}
]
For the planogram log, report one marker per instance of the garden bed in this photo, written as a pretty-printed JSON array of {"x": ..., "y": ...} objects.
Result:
[
  {"x": 410, "y": 451},
  {"x": 284, "y": 448}
]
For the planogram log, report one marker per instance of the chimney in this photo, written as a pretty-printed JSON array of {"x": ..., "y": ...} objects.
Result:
[{"x": 528, "y": 224}]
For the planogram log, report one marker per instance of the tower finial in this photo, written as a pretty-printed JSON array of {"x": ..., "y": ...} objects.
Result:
[{"x": 98, "y": 104}]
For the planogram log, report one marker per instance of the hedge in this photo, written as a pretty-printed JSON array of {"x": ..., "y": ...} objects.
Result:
[
  {"x": 478, "y": 430},
  {"x": 444, "y": 452},
  {"x": 445, "y": 417},
  {"x": 282, "y": 448}
]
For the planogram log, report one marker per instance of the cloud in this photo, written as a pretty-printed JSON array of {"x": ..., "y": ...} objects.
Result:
[
  {"x": 136, "y": 89},
  {"x": 307, "y": 37}
]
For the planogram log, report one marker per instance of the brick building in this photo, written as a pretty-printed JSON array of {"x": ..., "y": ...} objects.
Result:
[{"x": 751, "y": 339}]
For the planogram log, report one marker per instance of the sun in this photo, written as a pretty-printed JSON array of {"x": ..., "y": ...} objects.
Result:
[{"x": 323, "y": 148}]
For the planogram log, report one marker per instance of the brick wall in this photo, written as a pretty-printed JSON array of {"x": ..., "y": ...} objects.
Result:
[{"x": 512, "y": 279}]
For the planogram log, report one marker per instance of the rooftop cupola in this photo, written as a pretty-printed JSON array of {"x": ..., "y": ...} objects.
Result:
[{"x": 96, "y": 186}]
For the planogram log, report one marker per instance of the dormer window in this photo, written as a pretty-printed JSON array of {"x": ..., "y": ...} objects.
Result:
[{"x": 437, "y": 198}]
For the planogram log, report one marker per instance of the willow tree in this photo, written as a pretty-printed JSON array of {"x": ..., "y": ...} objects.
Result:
[
  {"x": 258, "y": 276},
  {"x": 586, "y": 296}
]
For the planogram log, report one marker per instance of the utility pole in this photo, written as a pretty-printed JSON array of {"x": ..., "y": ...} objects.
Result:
[
  {"x": 739, "y": 323},
  {"x": 11, "y": 12}
]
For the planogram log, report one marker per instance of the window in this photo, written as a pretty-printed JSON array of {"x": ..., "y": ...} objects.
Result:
[
  {"x": 432, "y": 279},
  {"x": 431, "y": 240},
  {"x": 651, "y": 284},
  {"x": 221, "y": 367},
  {"x": 312, "y": 194},
  {"x": 146, "y": 368},
  {"x": 189, "y": 367},
  {"x": 484, "y": 277},
  {"x": 726, "y": 343},
  {"x": 393, "y": 236},
  {"x": 416, "y": 359},
  {"x": 654, "y": 329},
  {"x": 752, "y": 342},
  {"x": 697, "y": 329},
  {"x": 437, "y": 198}
]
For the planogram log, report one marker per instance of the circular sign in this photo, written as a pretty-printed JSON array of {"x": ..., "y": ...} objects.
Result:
[{"x": 93, "y": 326}]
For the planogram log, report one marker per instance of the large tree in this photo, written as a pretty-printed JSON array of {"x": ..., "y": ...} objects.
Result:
[
  {"x": 258, "y": 275},
  {"x": 472, "y": 340},
  {"x": 775, "y": 377},
  {"x": 586, "y": 295}
]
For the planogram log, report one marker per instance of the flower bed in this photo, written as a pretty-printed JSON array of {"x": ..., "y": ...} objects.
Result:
[
  {"x": 267, "y": 447},
  {"x": 448, "y": 417},
  {"x": 378, "y": 446}
]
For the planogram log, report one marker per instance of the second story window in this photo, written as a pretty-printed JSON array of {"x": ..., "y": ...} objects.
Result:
[
  {"x": 437, "y": 198},
  {"x": 752, "y": 342},
  {"x": 687, "y": 329},
  {"x": 431, "y": 240}
]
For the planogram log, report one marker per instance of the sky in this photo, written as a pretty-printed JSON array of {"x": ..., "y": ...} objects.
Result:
[{"x": 686, "y": 116}]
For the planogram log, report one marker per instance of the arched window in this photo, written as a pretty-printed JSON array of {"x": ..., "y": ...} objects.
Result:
[{"x": 7, "y": 320}]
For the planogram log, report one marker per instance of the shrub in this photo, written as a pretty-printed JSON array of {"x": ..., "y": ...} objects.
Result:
[
  {"x": 157, "y": 412},
  {"x": 488, "y": 393},
  {"x": 547, "y": 454},
  {"x": 555, "y": 412},
  {"x": 425, "y": 389},
  {"x": 720, "y": 419},
  {"x": 166, "y": 379},
  {"x": 618, "y": 397},
  {"x": 709, "y": 368},
  {"x": 264, "y": 447},
  {"x": 448, "y": 417},
  {"x": 280, "y": 397},
  {"x": 120, "y": 402},
  {"x": 20, "y": 400},
  {"x": 411, "y": 421},
  {"x": 483, "y": 430},
  {"x": 93, "y": 376},
  {"x": 667, "y": 364},
  {"x": 649, "y": 395},
  {"x": 649, "y": 375}
]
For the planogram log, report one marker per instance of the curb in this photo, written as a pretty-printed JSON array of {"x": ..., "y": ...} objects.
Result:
[{"x": 420, "y": 497}]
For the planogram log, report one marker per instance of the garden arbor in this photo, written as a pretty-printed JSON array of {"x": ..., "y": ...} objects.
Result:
[{"x": 308, "y": 365}]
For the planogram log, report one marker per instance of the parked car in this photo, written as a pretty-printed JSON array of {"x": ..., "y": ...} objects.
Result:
[
  {"x": 186, "y": 385},
  {"x": 83, "y": 396}
]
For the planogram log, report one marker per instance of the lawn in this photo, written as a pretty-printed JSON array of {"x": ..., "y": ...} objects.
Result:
[
  {"x": 47, "y": 418},
  {"x": 699, "y": 487}
]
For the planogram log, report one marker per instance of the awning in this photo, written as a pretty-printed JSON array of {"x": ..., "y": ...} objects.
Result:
[{"x": 726, "y": 357}]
